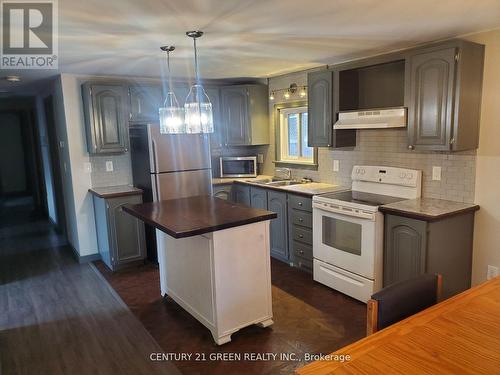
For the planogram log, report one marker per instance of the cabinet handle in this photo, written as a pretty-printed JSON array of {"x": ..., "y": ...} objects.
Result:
[
  {"x": 452, "y": 141},
  {"x": 411, "y": 147},
  {"x": 301, "y": 236},
  {"x": 301, "y": 251},
  {"x": 300, "y": 203},
  {"x": 301, "y": 220}
]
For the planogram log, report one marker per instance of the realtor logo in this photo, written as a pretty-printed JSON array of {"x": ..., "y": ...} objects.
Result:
[{"x": 29, "y": 35}]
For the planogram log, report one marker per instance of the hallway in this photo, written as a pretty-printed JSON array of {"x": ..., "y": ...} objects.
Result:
[{"x": 60, "y": 317}]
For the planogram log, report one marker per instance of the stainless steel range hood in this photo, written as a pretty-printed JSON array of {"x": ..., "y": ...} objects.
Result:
[{"x": 372, "y": 119}]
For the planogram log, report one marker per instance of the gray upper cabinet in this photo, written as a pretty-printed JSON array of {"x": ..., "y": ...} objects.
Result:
[
  {"x": 245, "y": 120},
  {"x": 145, "y": 102},
  {"x": 320, "y": 121},
  {"x": 106, "y": 117},
  {"x": 322, "y": 112},
  {"x": 443, "y": 94},
  {"x": 277, "y": 202},
  {"x": 216, "y": 139}
]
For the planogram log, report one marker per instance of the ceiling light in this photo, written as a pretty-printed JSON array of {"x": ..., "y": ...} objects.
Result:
[
  {"x": 271, "y": 96},
  {"x": 286, "y": 95},
  {"x": 197, "y": 108},
  {"x": 303, "y": 92},
  {"x": 13, "y": 78},
  {"x": 171, "y": 114}
]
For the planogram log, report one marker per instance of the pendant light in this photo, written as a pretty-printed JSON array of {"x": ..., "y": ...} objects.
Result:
[
  {"x": 171, "y": 114},
  {"x": 197, "y": 108}
]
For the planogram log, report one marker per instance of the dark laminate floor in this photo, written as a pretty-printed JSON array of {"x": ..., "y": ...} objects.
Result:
[
  {"x": 59, "y": 317},
  {"x": 309, "y": 318}
]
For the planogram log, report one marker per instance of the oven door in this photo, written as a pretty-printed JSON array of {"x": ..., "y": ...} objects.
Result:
[{"x": 345, "y": 241}]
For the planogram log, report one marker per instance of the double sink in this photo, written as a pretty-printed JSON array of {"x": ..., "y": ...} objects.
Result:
[{"x": 278, "y": 182}]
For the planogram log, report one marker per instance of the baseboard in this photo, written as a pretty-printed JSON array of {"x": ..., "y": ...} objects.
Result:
[{"x": 85, "y": 258}]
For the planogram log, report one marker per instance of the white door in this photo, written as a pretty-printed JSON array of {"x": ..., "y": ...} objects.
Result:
[{"x": 345, "y": 241}]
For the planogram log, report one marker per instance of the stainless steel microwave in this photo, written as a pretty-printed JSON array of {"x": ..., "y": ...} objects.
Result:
[{"x": 238, "y": 166}]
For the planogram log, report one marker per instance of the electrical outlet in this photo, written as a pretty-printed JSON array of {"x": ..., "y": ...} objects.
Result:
[
  {"x": 87, "y": 167},
  {"x": 260, "y": 158},
  {"x": 436, "y": 173},
  {"x": 336, "y": 165},
  {"x": 109, "y": 166},
  {"x": 492, "y": 272}
]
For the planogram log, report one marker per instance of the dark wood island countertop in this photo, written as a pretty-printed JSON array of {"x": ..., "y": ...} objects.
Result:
[{"x": 186, "y": 217}]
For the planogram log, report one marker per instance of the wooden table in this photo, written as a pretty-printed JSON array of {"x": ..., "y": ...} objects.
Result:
[{"x": 458, "y": 336}]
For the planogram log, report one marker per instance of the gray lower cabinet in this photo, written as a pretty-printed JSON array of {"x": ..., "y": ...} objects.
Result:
[
  {"x": 300, "y": 231},
  {"x": 258, "y": 197},
  {"x": 105, "y": 107},
  {"x": 120, "y": 236},
  {"x": 222, "y": 192},
  {"x": 443, "y": 91},
  {"x": 240, "y": 194},
  {"x": 277, "y": 202},
  {"x": 145, "y": 101},
  {"x": 414, "y": 247}
]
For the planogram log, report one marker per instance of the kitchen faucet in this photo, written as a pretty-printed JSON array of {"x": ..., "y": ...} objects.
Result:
[{"x": 284, "y": 173}]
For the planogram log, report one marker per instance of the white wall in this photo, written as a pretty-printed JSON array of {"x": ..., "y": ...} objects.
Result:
[
  {"x": 487, "y": 226},
  {"x": 79, "y": 205}
]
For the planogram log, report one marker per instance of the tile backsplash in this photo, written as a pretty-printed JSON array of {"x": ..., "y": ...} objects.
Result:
[
  {"x": 389, "y": 148},
  {"x": 122, "y": 170}
]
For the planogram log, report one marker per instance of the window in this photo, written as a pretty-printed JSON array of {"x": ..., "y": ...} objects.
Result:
[{"x": 293, "y": 136}]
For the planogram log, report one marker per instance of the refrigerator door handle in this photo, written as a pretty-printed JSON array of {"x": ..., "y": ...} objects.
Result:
[
  {"x": 156, "y": 187},
  {"x": 153, "y": 155}
]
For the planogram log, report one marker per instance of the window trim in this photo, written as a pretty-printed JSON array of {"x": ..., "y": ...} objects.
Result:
[{"x": 298, "y": 163}]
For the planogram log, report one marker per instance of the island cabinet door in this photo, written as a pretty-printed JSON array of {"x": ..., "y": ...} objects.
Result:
[
  {"x": 276, "y": 202},
  {"x": 258, "y": 198},
  {"x": 126, "y": 232},
  {"x": 405, "y": 248}
]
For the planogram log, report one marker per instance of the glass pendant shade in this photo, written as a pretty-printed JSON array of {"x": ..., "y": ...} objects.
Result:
[
  {"x": 198, "y": 111},
  {"x": 171, "y": 116}
]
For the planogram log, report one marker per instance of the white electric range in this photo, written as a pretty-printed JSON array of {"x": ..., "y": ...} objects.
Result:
[{"x": 348, "y": 235}]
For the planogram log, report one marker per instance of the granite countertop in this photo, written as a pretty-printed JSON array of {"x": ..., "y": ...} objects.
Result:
[
  {"x": 192, "y": 216},
  {"x": 229, "y": 180},
  {"x": 429, "y": 209},
  {"x": 115, "y": 191}
]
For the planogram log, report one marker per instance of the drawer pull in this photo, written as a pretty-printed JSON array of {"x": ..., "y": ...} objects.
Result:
[
  {"x": 301, "y": 251},
  {"x": 301, "y": 220},
  {"x": 300, "y": 203},
  {"x": 301, "y": 236}
]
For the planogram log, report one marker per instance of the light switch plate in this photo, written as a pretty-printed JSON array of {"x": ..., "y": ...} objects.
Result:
[
  {"x": 260, "y": 158},
  {"x": 436, "y": 173},
  {"x": 336, "y": 165},
  {"x": 109, "y": 166},
  {"x": 87, "y": 167}
]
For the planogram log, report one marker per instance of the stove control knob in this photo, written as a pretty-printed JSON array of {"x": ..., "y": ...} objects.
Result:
[
  {"x": 362, "y": 171},
  {"x": 410, "y": 176},
  {"x": 402, "y": 175}
]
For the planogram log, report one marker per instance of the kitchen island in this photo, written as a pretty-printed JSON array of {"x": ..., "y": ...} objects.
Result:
[{"x": 214, "y": 259}]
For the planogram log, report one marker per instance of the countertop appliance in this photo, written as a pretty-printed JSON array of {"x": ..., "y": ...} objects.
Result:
[
  {"x": 372, "y": 119},
  {"x": 348, "y": 237},
  {"x": 238, "y": 166},
  {"x": 167, "y": 167}
]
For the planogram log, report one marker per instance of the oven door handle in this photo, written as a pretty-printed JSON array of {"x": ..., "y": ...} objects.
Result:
[{"x": 345, "y": 211}]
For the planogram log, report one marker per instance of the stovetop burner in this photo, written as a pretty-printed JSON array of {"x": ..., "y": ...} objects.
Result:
[{"x": 366, "y": 199}]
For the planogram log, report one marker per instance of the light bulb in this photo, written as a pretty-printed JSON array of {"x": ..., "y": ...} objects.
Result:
[
  {"x": 286, "y": 95},
  {"x": 171, "y": 116},
  {"x": 271, "y": 97},
  {"x": 198, "y": 111},
  {"x": 303, "y": 92}
]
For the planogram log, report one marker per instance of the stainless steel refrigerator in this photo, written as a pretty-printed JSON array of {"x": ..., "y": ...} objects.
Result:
[{"x": 168, "y": 167}]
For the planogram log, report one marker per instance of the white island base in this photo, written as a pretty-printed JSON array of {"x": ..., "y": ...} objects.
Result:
[{"x": 222, "y": 278}]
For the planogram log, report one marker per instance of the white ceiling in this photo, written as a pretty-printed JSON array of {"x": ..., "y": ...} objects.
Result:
[{"x": 251, "y": 38}]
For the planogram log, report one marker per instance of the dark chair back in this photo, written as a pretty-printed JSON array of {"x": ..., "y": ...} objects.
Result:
[{"x": 400, "y": 300}]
